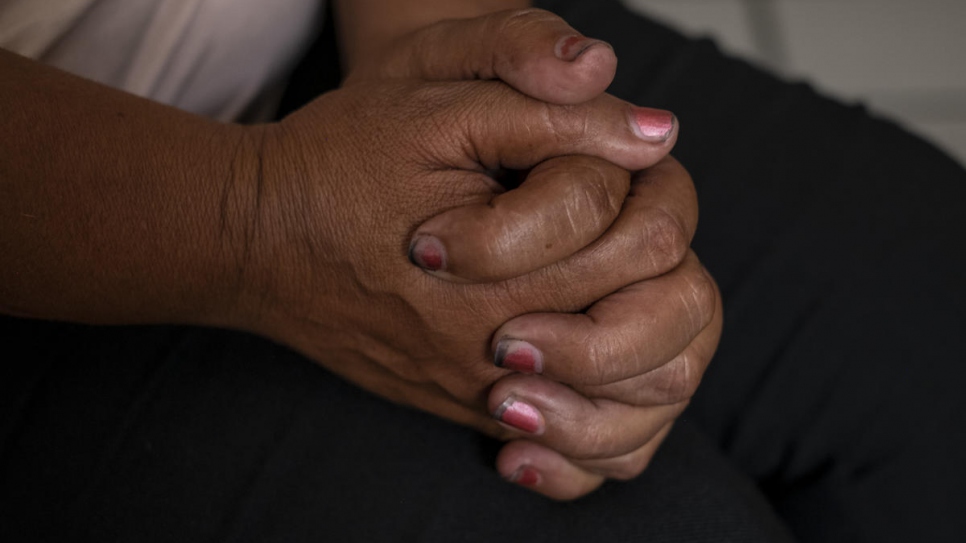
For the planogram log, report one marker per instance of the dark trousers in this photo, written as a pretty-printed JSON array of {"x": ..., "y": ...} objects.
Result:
[{"x": 832, "y": 411}]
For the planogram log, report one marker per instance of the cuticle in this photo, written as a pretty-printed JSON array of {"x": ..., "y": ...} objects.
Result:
[
  {"x": 501, "y": 409},
  {"x": 586, "y": 48}
]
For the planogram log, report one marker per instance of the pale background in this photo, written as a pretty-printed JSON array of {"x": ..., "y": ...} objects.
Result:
[{"x": 905, "y": 59}]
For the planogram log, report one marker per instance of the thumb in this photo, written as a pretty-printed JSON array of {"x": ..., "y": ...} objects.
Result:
[{"x": 533, "y": 51}]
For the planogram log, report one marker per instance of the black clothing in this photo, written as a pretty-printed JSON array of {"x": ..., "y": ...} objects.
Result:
[{"x": 832, "y": 411}]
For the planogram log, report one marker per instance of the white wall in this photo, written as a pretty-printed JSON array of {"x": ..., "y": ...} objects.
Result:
[{"x": 903, "y": 58}]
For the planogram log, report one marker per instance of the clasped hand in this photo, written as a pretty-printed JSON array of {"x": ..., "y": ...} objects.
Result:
[{"x": 379, "y": 242}]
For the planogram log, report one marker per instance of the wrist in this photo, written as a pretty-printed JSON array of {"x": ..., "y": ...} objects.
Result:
[
  {"x": 113, "y": 207},
  {"x": 225, "y": 259},
  {"x": 260, "y": 241}
]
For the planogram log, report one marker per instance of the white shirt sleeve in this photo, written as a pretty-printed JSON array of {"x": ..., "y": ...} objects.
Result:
[{"x": 217, "y": 58}]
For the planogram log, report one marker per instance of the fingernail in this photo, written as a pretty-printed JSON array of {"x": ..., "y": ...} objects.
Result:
[
  {"x": 428, "y": 253},
  {"x": 654, "y": 125},
  {"x": 518, "y": 355},
  {"x": 520, "y": 415},
  {"x": 525, "y": 476},
  {"x": 570, "y": 48}
]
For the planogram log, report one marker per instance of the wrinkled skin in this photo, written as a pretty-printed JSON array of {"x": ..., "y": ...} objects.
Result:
[{"x": 586, "y": 262}]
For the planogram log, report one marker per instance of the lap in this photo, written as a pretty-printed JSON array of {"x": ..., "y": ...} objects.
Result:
[{"x": 161, "y": 434}]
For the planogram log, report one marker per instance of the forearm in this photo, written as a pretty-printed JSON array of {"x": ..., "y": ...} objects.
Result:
[
  {"x": 366, "y": 26},
  {"x": 113, "y": 209}
]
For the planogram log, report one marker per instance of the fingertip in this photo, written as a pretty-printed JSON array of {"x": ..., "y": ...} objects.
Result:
[
  {"x": 525, "y": 475},
  {"x": 653, "y": 125},
  {"x": 520, "y": 415},
  {"x": 571, "y": 48},
  {"x": 428, "y": 252},
  {"x": 518, "y": 355},
  {"x": 542, "y": 56},
  {"x": 582, "y": 71},
  {"x": 544, "y": 471}
]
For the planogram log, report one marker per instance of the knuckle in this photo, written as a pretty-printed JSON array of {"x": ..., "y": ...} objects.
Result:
[
  {"x": 701, "y": 300},
  {"x": 680, "y": 379},
  {"x": 596, "y": 441},
  {"x": 591, "y": 194},
  {"x": 597, "y": 369},
  {"x": 602, "y": 184},
  {"x": 568, "y": 125},
  {"x": 665, "y": 242}
]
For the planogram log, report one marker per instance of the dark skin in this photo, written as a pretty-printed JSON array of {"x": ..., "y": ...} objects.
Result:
[{"x": 119, "y": 210}]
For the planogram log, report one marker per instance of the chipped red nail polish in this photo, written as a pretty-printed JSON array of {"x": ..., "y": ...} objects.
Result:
[
  {"x": 428, "y": 253},
  {"x": 525, "y": 476},
  {"x": 518, "y": 355},
  {"x": 654, "y": 125},
  {"x": 520, "y": 415},
  {"x": 569, "y": 49}
]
